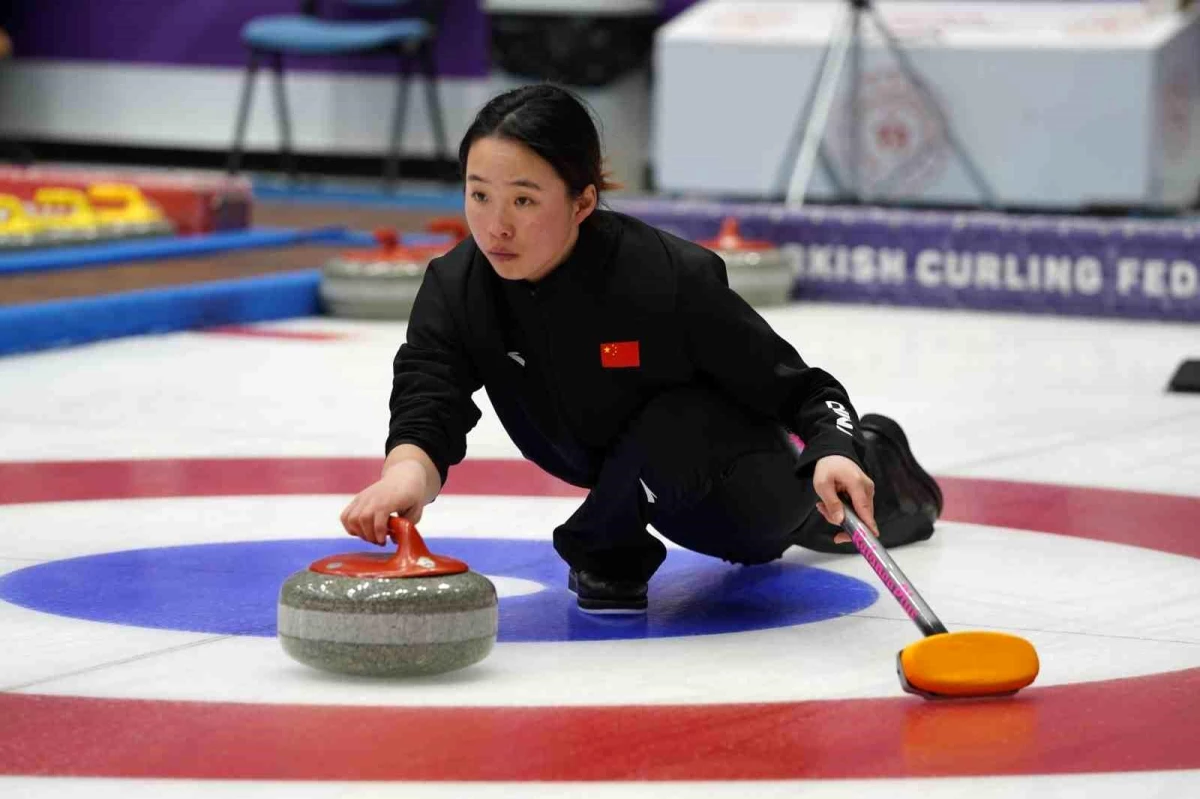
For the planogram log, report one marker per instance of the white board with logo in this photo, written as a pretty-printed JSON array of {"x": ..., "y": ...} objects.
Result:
[{"x": 1060, "y": 104}]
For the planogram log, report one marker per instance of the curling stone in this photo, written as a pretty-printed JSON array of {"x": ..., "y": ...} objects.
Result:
[
  {"x": 382, "y": 283},
  {"x": 407, "y": 614},
  {"x": 759, "y": 271}
]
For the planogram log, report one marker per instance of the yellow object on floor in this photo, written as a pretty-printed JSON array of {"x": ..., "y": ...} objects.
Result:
[
  {"x": 15, "y": 220},
  {"x": 122, "y": 203}
]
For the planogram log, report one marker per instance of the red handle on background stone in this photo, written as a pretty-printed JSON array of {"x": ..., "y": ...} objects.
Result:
[{"x": 729, "y": 238}]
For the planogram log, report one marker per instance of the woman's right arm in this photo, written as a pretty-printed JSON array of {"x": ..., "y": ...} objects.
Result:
[
  {"x": 409, "y": 482},
  {"x": 411, "y": 453},
  {"x": 431, "y": 414}
]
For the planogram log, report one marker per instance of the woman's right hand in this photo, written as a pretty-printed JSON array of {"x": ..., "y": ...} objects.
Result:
[{"x": 401, "y": 490}]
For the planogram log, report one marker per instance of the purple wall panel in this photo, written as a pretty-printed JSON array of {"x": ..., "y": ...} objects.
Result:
[
  {"x": 204, "y": 33},
  {"x": 672, "y": 7}
]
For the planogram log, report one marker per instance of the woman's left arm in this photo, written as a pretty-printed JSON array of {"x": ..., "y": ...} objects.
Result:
[{"x": 732, "y": 345}]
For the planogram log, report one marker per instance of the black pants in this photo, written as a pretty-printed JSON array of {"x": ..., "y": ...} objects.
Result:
[{"x": 707, "y": 475}]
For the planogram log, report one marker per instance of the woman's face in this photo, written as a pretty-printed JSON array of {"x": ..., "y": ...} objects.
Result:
[{"x": 519, "y": 210}]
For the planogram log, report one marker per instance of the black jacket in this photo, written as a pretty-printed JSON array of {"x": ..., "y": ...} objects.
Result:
[{"x": 536, "y": 349}]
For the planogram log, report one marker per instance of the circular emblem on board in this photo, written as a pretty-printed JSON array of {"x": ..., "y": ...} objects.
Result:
[{"x": 902, "y": 143}]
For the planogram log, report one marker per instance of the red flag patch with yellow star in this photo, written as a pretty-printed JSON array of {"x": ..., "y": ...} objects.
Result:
[{"x": 620, "y": 355}]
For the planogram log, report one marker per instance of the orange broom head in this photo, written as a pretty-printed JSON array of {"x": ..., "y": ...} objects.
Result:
[{"x": 968, "y": 664}]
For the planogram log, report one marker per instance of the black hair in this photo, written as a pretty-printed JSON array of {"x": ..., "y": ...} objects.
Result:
[{"x": 551, "y": 121}]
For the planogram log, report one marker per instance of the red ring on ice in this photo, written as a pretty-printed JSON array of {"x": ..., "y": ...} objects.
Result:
[{"x": 1130, "y": 724}]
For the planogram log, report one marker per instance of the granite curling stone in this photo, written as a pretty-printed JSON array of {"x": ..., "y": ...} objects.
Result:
[
  {"x": 759, "y": 271},
  {"x": 382, "y": 283},
  {"x": 411, "y": 613}
]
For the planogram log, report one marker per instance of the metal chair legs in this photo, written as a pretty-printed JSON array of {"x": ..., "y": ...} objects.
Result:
[
  {"x": 286, "y": 156},
  {"x": 391, "y": 168},
  {"x": 239, "y": 131}
]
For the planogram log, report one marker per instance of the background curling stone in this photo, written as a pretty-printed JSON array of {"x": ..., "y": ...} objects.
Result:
[
  {"x": 382, "y": 283},
  {"x": 409, "y": 613},
  {"x": 761, "y": 272}
]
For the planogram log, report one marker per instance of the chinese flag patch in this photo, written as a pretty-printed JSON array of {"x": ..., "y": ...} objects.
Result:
[{"x": 620, "y": 355}]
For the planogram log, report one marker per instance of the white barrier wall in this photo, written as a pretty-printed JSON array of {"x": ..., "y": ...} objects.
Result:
[
  {"x": 1060, "y": 104},
  {"x": 195, "y": 107}
]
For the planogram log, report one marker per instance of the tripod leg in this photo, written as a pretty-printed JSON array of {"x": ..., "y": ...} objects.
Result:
[
  {"x": 856, "y": 62},
  {"x": 826, "y": 90},
  {"x": 790, "y": 152},
  {"x": 914, "y": 77}
]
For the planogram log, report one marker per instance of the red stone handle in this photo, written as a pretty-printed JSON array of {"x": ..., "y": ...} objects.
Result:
[
  {"x": 411, "y": 559},
  {"x": 413, "y": 556}
]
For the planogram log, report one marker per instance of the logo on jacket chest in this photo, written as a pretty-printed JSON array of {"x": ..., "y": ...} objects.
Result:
[{"x": 620, "y": 355}]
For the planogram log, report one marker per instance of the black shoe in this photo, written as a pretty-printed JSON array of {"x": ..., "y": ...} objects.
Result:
[
  {"x": 597, "y": 595},
  {"x": 907, "y": 498}
]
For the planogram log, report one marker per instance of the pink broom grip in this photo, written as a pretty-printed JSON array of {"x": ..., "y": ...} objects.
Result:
[{"x": 887, "y": 571}]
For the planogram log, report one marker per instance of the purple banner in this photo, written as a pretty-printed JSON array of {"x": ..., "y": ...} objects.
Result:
[{"x": 1146, "y": 269}]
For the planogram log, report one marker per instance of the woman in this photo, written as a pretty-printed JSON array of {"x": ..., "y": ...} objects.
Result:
[{"x": 618, "y": 359}]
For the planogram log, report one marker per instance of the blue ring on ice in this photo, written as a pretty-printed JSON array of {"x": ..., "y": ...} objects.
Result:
[{"x": 233, "y": 589}]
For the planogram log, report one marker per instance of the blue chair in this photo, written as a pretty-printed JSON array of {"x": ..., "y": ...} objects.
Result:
[{"x": 409, "y": 36}]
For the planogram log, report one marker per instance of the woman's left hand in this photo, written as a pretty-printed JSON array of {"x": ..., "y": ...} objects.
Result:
[{"x": 837, "y": 474}]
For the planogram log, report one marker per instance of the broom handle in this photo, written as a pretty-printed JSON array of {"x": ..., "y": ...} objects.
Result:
[{"x": 887, "y": 570}]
